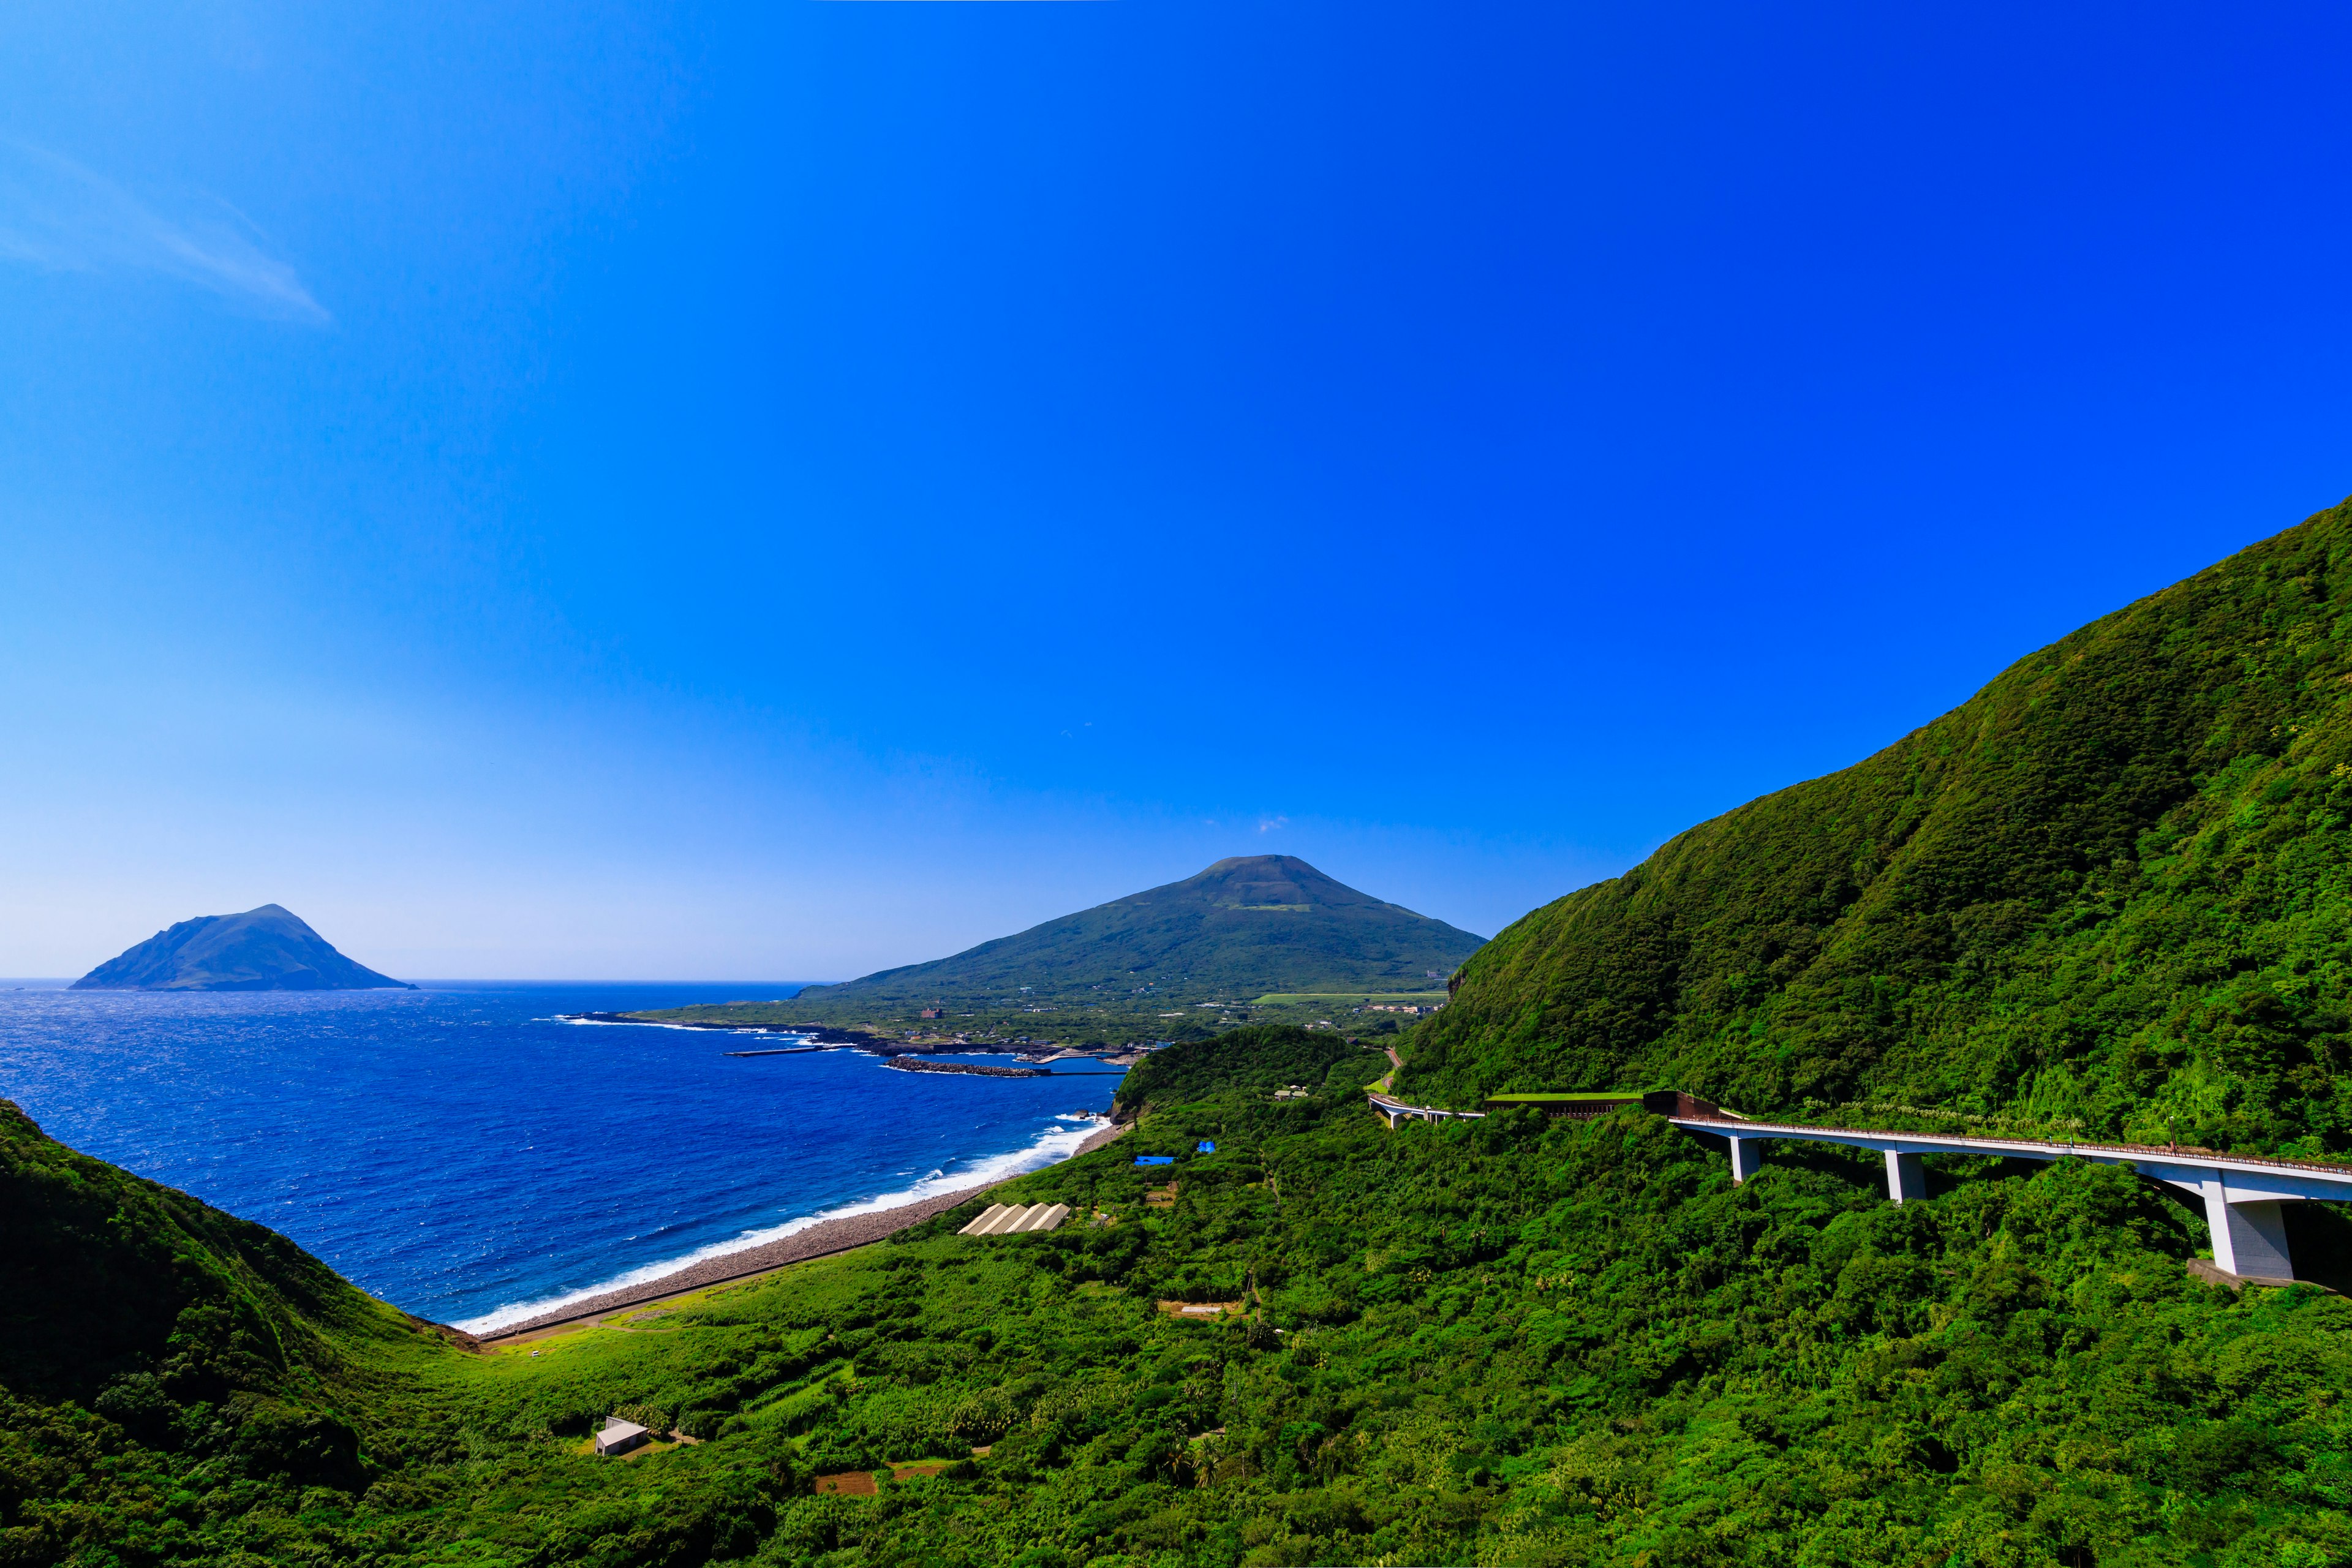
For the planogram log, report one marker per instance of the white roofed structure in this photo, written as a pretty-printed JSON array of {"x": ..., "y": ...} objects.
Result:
[
  {"x": 619, "y": 1436},
  {"x": 1000, "y": 1220}
]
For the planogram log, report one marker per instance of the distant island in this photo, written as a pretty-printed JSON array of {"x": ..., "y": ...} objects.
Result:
[
  {"x": 1257, "y": 938},
  {"x": 267, "y": 949}
]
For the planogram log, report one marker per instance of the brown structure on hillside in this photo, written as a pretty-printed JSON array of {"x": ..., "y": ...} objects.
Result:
[{"x": 1657, "y": 1102}]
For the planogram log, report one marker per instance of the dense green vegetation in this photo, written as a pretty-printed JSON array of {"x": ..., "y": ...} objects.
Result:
[
  {"x": 1102, "y": 1020},
  {"x": 2110, "y": 890},
  {"x": 1243, "y": 928},
  {"x": 1510, "y": 1341},
  {"x": 1265, "y": 1058},
  {"x": 180, "y": 1386}
]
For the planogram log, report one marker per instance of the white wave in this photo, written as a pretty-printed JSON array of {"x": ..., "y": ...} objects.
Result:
[
  {"x": 1052, "y": 1147},
  {"x": 690, "y": 1029}
]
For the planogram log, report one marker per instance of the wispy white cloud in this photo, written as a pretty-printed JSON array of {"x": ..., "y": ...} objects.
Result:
[
  {"x": 58, "y": 216},
  {"x": 1269, "y": 824}
]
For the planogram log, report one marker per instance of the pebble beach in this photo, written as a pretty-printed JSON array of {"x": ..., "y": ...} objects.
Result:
[{"x": 819, "y": 1241}]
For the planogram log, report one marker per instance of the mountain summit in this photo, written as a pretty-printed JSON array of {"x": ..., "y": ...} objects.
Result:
[
  {"x": 1253, "y": 924},
  {"x": 267, "y": 949}
]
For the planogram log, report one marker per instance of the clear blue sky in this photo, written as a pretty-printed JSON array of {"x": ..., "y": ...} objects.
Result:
[{"x": 778, "y": 490}]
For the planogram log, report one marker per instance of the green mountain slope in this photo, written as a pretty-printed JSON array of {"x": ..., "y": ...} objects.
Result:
[
  {"x": 2111, "y": 889},
  {"x": 178, "y": 1385},
  {"x": 1250, "y": 924},
  {"x": 1263, "y": 1059},
  {"x": 267, "y": 949},
  {"x": 164, "y": 1365}
]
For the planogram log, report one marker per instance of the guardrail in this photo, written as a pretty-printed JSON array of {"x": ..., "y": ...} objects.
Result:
[
  {"x": 2045, "y": 1147},
  {"x": 1397, "y": 1111}
]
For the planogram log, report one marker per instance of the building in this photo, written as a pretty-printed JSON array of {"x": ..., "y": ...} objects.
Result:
[
  {"x": 932, "y": 1013},
  {"x": 1000, "y": 1219},
  {"x": 619, "y": 1436}
]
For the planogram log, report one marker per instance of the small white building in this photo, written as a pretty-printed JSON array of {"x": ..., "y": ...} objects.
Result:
[{"x": 619, "y": 1436}]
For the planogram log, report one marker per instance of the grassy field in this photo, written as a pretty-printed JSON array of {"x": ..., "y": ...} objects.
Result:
[
  {"x": 1345, "y": 998},
  {"x": 1099, "y": 1018}
]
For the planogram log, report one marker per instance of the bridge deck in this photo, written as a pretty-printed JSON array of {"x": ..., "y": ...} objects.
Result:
[
  {"x": 2336, "y": 1176},
  {"x": 2241, "y": 1192}
]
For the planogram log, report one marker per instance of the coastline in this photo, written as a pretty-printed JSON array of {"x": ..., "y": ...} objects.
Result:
[
  {"x": 816, "y": 1034},
  {"x": 836, "y": 1040},
  {"x": 824, "y": 1035},
  {"x": 821, "y": 1240}
]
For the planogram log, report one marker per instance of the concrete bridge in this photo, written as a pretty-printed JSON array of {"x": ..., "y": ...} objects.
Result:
[
  {"x": 2243, "y": 1194},
  {"x": 1394, "y": 1111}
]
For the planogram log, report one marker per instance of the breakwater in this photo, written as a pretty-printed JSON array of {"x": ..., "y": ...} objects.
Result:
[
  {"x": 910, "y": 1064},
  {"x": 817, "y": 1034}
]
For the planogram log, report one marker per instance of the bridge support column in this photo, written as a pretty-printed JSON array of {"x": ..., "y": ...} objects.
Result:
[
  {"x": 1747, "y": 1159},
  {"x": 2248, "y": 1239},
  {"x": 1907, "y": 1180}
]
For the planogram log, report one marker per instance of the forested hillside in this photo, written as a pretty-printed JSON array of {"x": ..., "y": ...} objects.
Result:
[
  {"x": 1503, "y": 1341},
  {"x": 180, "y": 1386},
  {"x": 2109, "y": 891},
  {"x": 1265, "y": 1057}
]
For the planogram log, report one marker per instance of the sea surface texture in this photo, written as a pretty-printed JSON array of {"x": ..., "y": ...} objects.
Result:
[{"x": 463, "y": 1153}]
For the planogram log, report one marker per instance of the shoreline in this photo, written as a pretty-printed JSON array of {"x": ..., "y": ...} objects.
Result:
[
  {"x": 823, "y": 1239},
  {"x": 825, "y": 1035},
  {"x": 818, "y": 1033}
]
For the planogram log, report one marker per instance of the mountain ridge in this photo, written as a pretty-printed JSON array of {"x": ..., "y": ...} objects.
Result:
[
  {"x": 1215, "y": 927},
  {"x": 269, "y": 948},
  {"x": 2108, "y": 890}
]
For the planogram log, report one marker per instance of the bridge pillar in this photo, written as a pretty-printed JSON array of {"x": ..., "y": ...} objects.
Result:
[
  {"x": 2248, "y": 1239},
  {"x": 1746, "y": 1158},
  {"x": 1907, "y": 1180}
]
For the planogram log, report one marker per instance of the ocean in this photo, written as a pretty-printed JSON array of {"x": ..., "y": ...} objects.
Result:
[{"x": 463, "y": 1153}]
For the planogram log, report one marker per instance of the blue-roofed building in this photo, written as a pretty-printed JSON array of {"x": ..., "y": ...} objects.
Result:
[
  {"x": 1206, "y": 1147},
  {"x": 1155, "y": 1159}
]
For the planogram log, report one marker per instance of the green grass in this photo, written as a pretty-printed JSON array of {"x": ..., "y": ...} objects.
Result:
[
  {"x": 1549, "y": 1098},
  {"x": 1345, "y": 998}
]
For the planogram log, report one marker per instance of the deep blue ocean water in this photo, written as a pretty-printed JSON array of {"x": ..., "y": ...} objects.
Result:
[{"x": 464, "y": 1154}]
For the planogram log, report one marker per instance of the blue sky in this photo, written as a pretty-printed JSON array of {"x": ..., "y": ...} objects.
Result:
[{"x": 775, "y": 492}]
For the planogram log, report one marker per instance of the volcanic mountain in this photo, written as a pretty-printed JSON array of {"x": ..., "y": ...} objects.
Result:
[
  {"x": 1250, "y": 924},
  {"x": 267, "y": 949}
]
